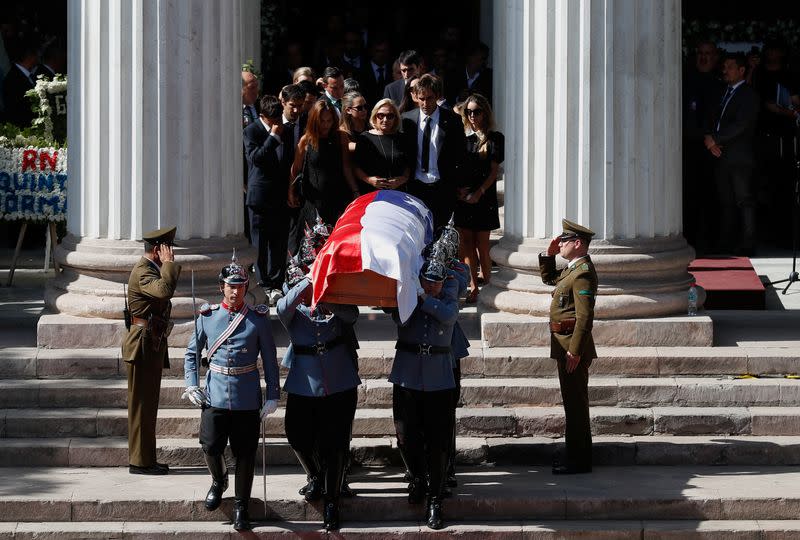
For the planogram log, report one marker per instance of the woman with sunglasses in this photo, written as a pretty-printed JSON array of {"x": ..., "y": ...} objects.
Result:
[
  {"x": 354, "y": 118},
  {"x": 476, "y": 209},
  {"x": 381, "y": 160}
]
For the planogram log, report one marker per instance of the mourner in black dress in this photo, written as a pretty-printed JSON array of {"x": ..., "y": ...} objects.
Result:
[
  {"x": 381, "y": 160},
  {"x": 476, "y": 212}
]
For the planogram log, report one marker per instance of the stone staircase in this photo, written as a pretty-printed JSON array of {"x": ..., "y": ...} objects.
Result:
[{"x": 664, "y": 420}]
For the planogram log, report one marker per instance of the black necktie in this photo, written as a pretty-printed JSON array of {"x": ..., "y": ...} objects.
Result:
[
  {"x": 288, "y": 142},
  {"x": 381, "y": 77},
  {"x": 722, "y": 104},
  {"x": 426, "y": 144}
]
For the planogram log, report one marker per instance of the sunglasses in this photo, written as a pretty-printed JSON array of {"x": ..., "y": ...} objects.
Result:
[
  {"x": 385, "y": 116},
  {"x": 359, "y": 108},
  {"x": 474, "y": 112},
  {"x": 568, "y": 239}
]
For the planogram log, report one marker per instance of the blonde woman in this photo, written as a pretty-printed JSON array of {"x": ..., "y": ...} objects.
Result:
[
  {"x": 381, "y": 159},
  {"x": 476, "y": 209}
]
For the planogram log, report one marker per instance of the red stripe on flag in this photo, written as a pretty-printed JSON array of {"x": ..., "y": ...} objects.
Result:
[{"x": 345, "y": 242}]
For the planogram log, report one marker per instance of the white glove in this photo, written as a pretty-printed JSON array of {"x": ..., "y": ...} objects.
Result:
[
  {"x": 420, "y": 290},
  {"x": 269, "y": 407},
  {"x": 195, "y": 395}
]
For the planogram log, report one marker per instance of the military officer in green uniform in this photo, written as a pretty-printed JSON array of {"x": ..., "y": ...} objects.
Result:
[
  {"x": 571, "y": 343},
  {"x": 150, "y": 288}
]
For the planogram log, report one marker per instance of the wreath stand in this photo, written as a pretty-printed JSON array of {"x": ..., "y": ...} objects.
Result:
[{"x": 49, "y": 250}]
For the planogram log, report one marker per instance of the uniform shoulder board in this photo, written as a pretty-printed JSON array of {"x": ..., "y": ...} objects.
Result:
[
  {"x": 261, "y": 309},
  {"x": 207, "y": 308},
  {"x": 584, "y": 266}
]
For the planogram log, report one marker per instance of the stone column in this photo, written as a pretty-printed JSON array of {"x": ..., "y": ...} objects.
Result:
[
  {"x": 588, "y": 96},
  {"x": 251, "y": 31},
  {"x": 155, "y": 139}
]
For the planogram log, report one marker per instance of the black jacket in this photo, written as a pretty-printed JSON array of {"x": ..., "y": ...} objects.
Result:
[
  {"x": 267, "y": 176},
  {"x": 737, "y": 126},
  {"x": 451, "y": 142}
]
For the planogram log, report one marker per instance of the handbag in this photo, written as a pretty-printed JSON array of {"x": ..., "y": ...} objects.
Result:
[{"x": 302, "y": 176}]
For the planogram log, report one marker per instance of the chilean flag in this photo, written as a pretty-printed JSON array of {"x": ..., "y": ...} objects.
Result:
[{"x": 384, "y": 231}]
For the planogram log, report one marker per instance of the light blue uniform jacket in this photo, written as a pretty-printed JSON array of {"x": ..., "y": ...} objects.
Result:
[
  {"x": 431, "y": 323},
  {"x": 334, "y": 370},
  {"x": 241, "y": 348}
]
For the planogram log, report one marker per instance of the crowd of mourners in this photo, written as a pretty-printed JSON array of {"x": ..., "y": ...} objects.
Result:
[
  {"x": 740, "y": 129},
  {"x": 422, "y": 124}
]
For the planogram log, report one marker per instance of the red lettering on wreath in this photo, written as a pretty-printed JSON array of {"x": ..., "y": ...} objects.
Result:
[
  {"x": 46, "y": 159},
  {"x": 29, "y": 160}
]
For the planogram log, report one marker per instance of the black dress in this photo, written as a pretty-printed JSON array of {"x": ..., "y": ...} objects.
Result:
[
  {"x": 380, "y": 155},
  {"x": 324, "y": 187},
  {"x": 483, "y": 215}
]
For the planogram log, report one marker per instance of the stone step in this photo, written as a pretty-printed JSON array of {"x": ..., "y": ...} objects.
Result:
[
  {"x": 486, "y": 392},
  {"x": 376, "y": 359},
  {"x": 496, "y": 494},
  {"x": 499, "y": 530},
  {"x": 471, "y": 422},
  {"x": 750, "y": 450}
]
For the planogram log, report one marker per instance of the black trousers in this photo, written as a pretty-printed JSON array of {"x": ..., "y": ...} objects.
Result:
[
  {"x": 440, "y": 198},
  {"x": 321, "y": 426},
  {"x": 734, "y": 183},
  {"x": 423, "y": 422},
  {"x": 575, "y": 395},
  {"x": 456, "y": 397},
  {"x": 217, "y": 426},
  {"x": 269, "y": 229}
]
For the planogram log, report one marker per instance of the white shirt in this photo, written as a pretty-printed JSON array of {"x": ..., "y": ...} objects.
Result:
[
  {"x": 376, "y": 67},
  {"x": 279, "y": 149},
  {"x": 575, "y": 261},
  {"x": 734, "y": 87},
  {"x": 28, "y": 74},
  {"x": 471, "y": 80},
  {"x": 433, "y": 164},
  {"x": 354, "y": 61}
]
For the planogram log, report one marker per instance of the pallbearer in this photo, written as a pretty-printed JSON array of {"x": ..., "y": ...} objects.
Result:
[
  {"x": 235, "y": 334},
  {"x": 422, "y": 374},
  {"x": 321, "y": 385}
]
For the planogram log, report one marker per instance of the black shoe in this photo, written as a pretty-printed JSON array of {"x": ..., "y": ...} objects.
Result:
[
  {"x": 446, "y": 492},
  {"x": 433, "y": 514},
  {"x": 241, "y": 521},
  {"x": 451, "y": 481},
  {"x": 214, "y": 496},
  {"x": 162, "y": 466},
  {"x": 151, "y": 470},
  {"x": 571, "y": 469},
  {"x": 302, "y": 490},
  {"x": 407, "y": 477},
  {"x": 330, "y": 516},
  {"x": 416, "y": 491},
  {"x": 313, "y": 490}
]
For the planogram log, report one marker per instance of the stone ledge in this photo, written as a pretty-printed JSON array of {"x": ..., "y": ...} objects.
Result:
[{"x": 510, "y": 330}]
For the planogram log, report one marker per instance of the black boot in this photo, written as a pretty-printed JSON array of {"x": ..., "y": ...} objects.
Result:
[
  {"x": 219, "y": 483},
  {"x": 417, "y": 490},
  {"x": 433, "y": 513},
  {"x": 347, "y": 491},
  {"x": 334, "y": 474},
  {"x": 415, "y": 464},
  {"x": 245, "y": 468},
  {"x": 312, "y": 491}
]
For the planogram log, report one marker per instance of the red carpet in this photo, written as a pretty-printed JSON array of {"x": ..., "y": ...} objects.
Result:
[{"x": 730, "y": 283}]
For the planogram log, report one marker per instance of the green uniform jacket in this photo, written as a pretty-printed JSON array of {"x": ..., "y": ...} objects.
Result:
[
  {"x": 573, "y": 298},
  {"x": 149, "y": 293}
]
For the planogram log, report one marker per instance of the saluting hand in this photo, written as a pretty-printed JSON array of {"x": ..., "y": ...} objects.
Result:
[
  {"x": 165, "y": 253},
  {"x": 553, "y": 248}
]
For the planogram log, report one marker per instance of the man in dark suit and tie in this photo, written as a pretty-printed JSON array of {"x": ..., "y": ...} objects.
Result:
[
  {"x": 730, "y": 140},
  {"x": 268, "y": 162},
  {"x": 294, "y": 122},
  {"x": 333, "y": 83},
  {"x": 410, "y": 66},
  {"x": 435, "y": 137},
  {"x": 375, "y": 73},
  {"x": 475, "y": 78},
  {"x": 19, "y": 79}
]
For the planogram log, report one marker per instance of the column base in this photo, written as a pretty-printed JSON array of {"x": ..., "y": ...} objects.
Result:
[
  {"x": 94, "y": 271},
  {"x": 62, "y": 331},
  {"x": 638, "y": 278},
  {"x": 510, "y": 330}
]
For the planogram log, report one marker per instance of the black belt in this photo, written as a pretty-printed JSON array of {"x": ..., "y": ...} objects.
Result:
[
  {"x": 418, "y": 348},
  {"x": 319, "y": 348},
  {"x": 427, "y": 184}
]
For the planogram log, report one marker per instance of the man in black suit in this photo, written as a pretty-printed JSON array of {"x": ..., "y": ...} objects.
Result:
[
  {"x": 411, "y": 65},
  {"x": 476, "y": 77},
  {"x": 437, "y": 142},
  {"x": 249, "y": 115},
  {"x": 19, "y": 79},
  {"x": 731, "y": 141},
  {"x": 267, "y": 185},
  {"x": 333, "y": 84},
  {"x": 293, "y": 98},
  {"x": 54, "y": 60},
  {"x": 375, "y": 73}
]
